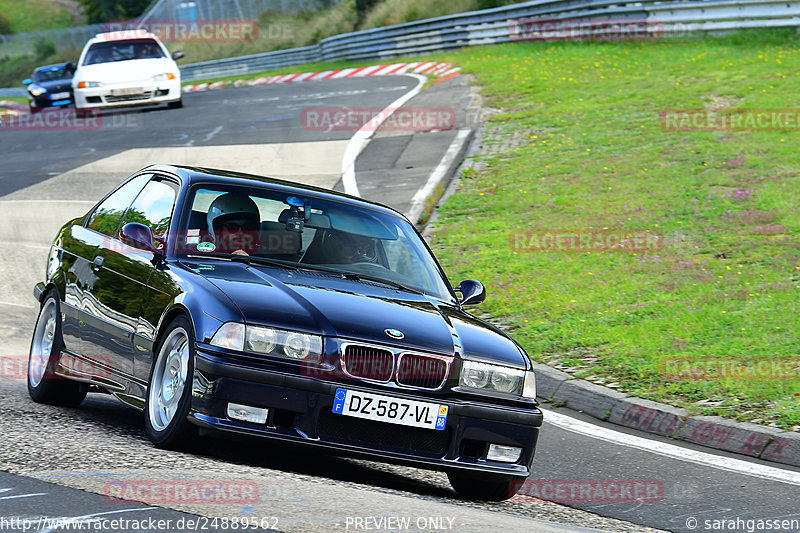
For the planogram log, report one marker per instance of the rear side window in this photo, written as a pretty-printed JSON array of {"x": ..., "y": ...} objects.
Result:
[
  {"x": 153, "y": 207},
  {"x": 109, "y": 213}
]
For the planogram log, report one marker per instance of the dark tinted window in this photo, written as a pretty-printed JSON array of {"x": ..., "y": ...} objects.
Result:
[
  {"x": 108, "y": 52},
  {"x": 52, "y": 74},
  {"x": 109, "y": 213},
  {"x": 153, "y": 207}
]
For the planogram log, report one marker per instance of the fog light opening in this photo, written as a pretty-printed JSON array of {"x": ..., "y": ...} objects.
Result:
[
  {"x": 504, "y": 454},
  {"x": 246, "y": 413}
]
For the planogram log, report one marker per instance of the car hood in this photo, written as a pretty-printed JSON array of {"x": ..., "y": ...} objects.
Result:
[
  {"x": 55, "y": 85},
  {"x": 125, "y": 71},
  {"x": 355, "y": 310}
]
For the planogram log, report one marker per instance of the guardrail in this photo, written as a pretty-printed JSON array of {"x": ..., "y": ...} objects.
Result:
[
  {"x": 172, "y": 10},
  {"x": 491, "y": 26}
]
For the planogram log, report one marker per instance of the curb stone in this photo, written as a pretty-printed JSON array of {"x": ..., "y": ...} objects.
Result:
[
  {"x": 784, "y": 448},
  {"x": 648, "y": 416},
  {"x": 548, "y": 380},
  {"x": 722, "y": 434},
  {"x": 442, "y": 71},
  {"x": 753, "y": 440},
  {"x": 588, "y": 397},
  {"x": 769, "y": 444}
]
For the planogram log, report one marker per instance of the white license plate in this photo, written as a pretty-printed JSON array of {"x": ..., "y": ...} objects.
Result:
[
  {"x": 59, "y": 96},
  {"x": 127, "y": 92},
  {"x": 389, "y": 409}
]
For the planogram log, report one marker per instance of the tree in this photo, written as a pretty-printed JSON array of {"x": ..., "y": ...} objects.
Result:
[
  {"x": 110, "y": 10},
  {"x": 5, "y": 24}
]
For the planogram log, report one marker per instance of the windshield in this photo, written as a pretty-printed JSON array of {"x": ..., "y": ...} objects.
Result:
[
  {"x": 122, "y": 51},
  {"x": 52, "y": 74},
  {"x": 308, "y": 232}
]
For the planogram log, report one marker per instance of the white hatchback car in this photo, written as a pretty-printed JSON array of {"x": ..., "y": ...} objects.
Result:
[{"x": 126, "y": 68}]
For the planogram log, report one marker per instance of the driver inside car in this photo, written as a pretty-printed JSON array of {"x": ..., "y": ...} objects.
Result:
[
  {"x": 350, "y": 248},
  {"x": 234, "y": 222}
]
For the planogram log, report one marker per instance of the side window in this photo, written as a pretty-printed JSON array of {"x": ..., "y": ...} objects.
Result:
[
  {"x": 153, "y": 207},
  {"x": 109, "y": 213}
]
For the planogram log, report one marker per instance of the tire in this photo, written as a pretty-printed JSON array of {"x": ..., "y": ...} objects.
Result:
[
  {"x": 177, "y": 104},
  {"x": 44, "y": 385},
  {"x": 169, "y": 389},
  {"x": 81, "y": 113},
  {"x": 485, "y": 487}
]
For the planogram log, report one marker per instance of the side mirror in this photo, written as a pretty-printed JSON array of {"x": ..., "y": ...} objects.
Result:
[
  {"x": 71, "y": 65},
  {"x": 27, "y": 81},
  {"x": 472, "y": 292},
  {"x": 139, "y": 236},
  {"x": 177, "y": 54}
]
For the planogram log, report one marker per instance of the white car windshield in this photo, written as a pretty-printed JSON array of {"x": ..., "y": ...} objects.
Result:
[{"x": 109, "y": 52}]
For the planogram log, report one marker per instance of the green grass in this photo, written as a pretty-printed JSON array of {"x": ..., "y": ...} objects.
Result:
[
  {"x": 32, "y": 15},
  {"x": 591, "y": 154},
  {"x": 19, "y": 100}
]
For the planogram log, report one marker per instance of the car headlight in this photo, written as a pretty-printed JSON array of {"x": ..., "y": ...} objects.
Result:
[
  {"x": 496, "y": 378},
  {"x": 164, "y": 77},
  {"x": 89, "y": 85},
  {"x": 35, "y": 90},
  {"x": 269, "y": 341}
]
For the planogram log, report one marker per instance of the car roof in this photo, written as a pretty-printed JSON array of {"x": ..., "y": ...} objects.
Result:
[
  {"x": 192, "y": 175},
  {"x": 55, "y": 66}
]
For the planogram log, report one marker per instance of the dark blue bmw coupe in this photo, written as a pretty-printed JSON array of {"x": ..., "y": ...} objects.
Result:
[{"x": 224, "y": 302}]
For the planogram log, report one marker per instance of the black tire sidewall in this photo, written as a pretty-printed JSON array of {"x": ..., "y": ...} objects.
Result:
[
  {"x": 53, "y": 389},
  {"x": 179, "y": 428}
]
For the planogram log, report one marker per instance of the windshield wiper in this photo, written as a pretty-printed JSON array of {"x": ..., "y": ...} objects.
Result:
[{"x": 375, "y": 279}]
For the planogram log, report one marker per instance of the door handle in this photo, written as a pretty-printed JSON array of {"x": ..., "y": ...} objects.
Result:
[{"x": 98, "y": 262}]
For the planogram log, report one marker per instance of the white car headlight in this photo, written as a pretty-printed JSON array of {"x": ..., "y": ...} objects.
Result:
[
  {"x": 497, "y": 378},
  {"x": 89, "y": 85},
  {"x": 35, "y": 90},
  {"x": 269, "y": 341},
  {"x": 164, "y": 77}
]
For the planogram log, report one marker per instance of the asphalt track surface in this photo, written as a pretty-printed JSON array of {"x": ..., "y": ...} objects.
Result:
[{"x": 305, "y": 490}]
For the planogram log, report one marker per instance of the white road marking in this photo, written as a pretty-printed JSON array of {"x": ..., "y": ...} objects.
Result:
[
  {"x": 664, "y": 449},
  {"x": 418, "y": 201},
  {"x": 358, "y": 140},
  {"x": 23, "y": 496},
  {"x": 212, "y": 134}
]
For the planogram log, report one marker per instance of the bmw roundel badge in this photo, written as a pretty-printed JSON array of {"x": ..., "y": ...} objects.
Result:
[{"x": 394, "y": 333}]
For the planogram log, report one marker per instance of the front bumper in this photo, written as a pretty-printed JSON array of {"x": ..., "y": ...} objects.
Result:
[
  {"x": 46, "y": 100},
  {"x": 300, "y": 410},
  {"x": 147, "y": 93}
]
